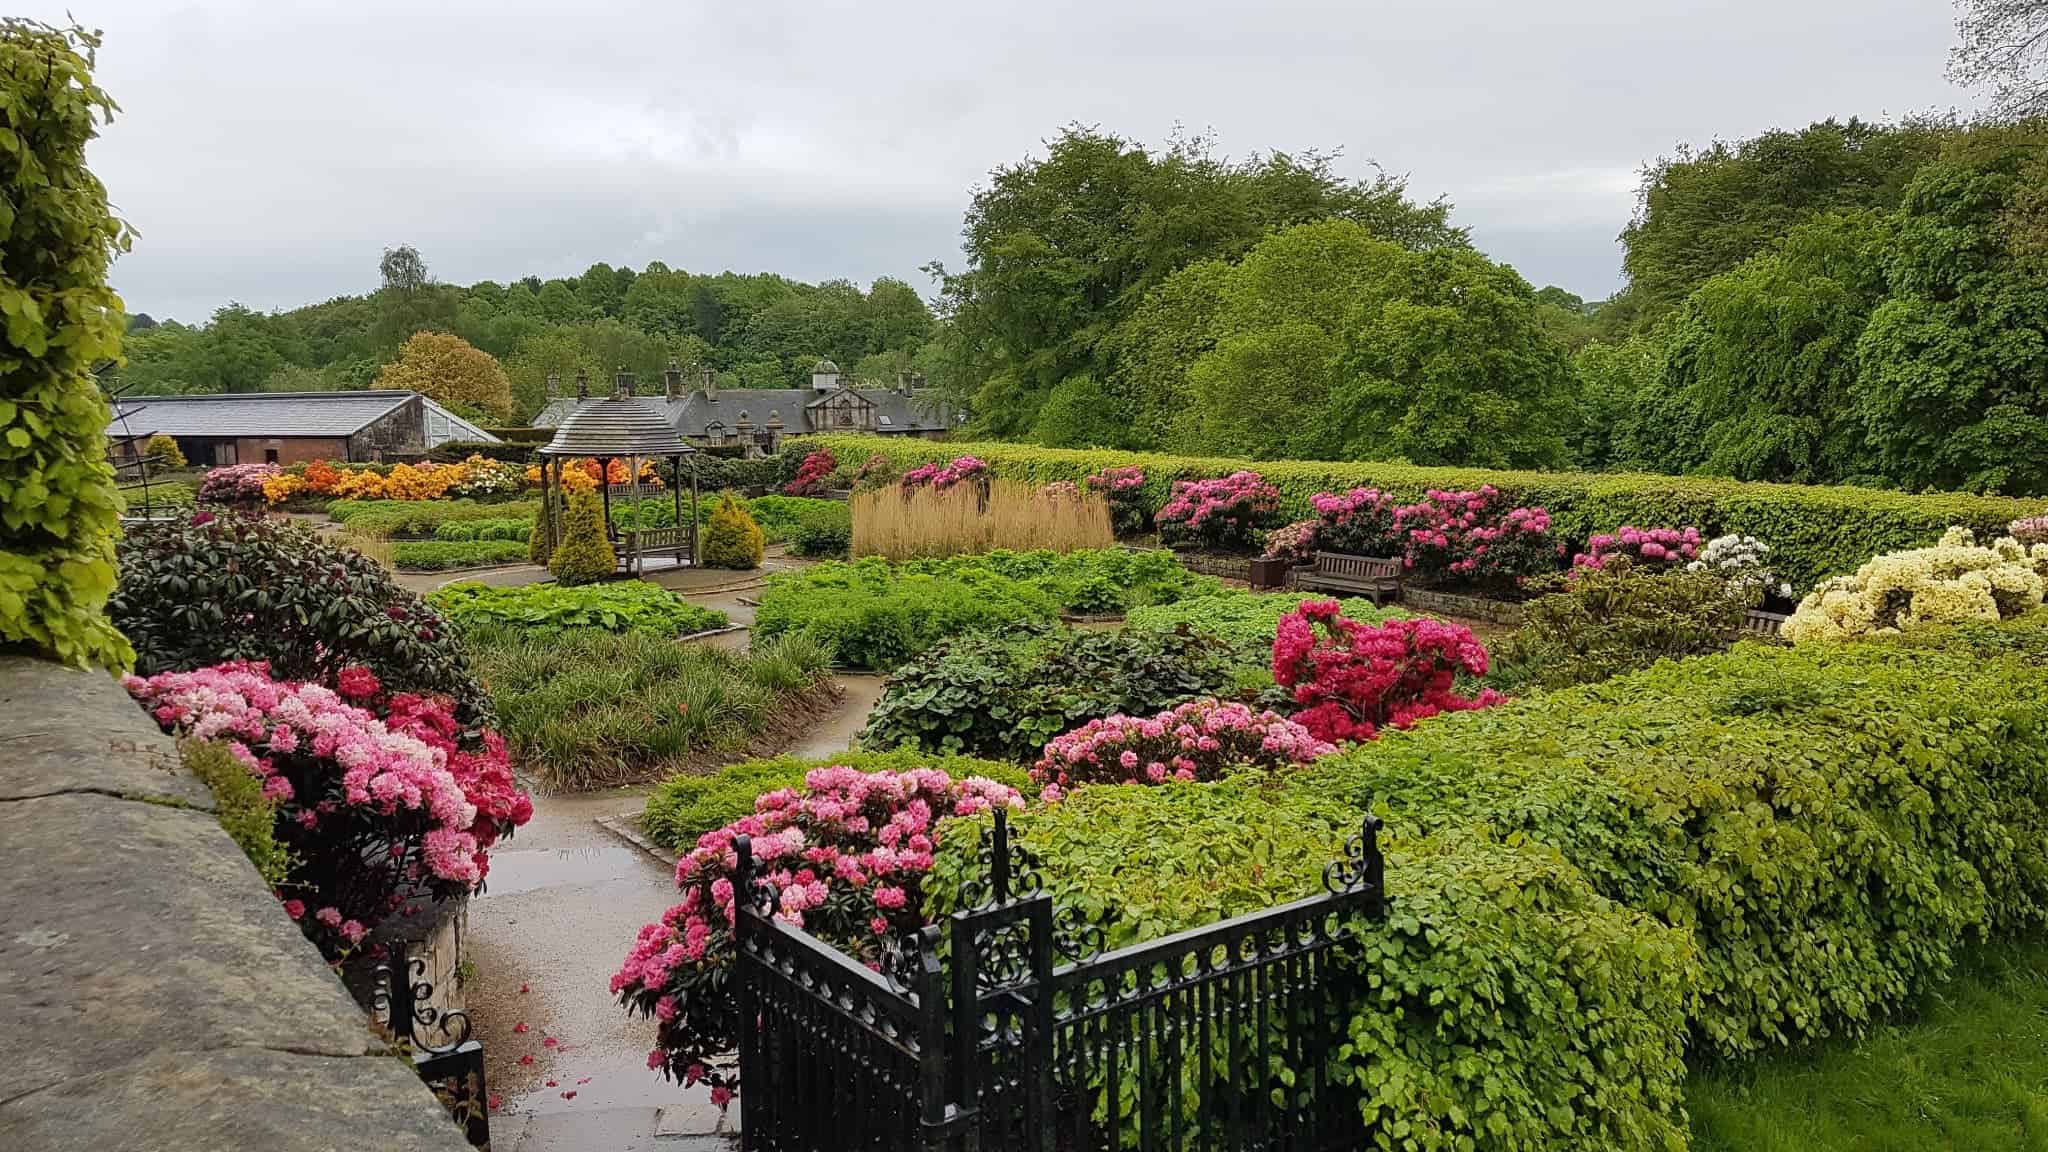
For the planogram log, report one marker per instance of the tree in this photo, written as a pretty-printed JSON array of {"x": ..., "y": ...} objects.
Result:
[
  {"x": 1080, "y": 413},
  {"x": 1610, "y": 376},
  {"x": 403, "y": 271},
  {"x": 447, "y": 369},
  {"x": 2004, "y": 44}
]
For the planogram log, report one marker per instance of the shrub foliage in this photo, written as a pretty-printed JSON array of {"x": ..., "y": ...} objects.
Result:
[
  {"x": 732, "y": 539},
  {"x": 537, "y": 611},
  {"x": 585, "y": 554}
]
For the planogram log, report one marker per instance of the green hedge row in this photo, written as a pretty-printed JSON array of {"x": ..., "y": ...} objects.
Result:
[
  {"x": 441, "y": 555},
  {"x": 1813, "y": 532},
  {"x": 385, "y": 519},
  {"x": 1728, "y": 854}
]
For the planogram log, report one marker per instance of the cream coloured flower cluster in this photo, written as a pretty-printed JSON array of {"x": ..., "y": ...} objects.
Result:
[{"x": 1955, "y": 581}]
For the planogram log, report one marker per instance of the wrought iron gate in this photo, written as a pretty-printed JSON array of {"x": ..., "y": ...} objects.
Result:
[{"x": 1008, "y": 1027}]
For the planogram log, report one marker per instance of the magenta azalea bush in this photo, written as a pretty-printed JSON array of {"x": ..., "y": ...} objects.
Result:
[
  {"x": 943, "y": 476},
  {"x": 1296, "y": 542},
  {"x": 1222, "y": 514},
  {"x": 847, "y": 855},
  {"x": 813, "y": 474},
  {"x": 1647, "y": 549},
  {"x": 1475, "y": 538},
  {"x": 1353, "y": 679},
  {"x": 238, "y": 484},
  {"x": 1195, "y": 741},
  {"x": 1360, "y": 522},
  {"x": 372, "y": 809}
]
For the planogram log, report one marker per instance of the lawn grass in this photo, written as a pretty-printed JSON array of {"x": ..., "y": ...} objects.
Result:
[{"x": 1967, "y": 1072}]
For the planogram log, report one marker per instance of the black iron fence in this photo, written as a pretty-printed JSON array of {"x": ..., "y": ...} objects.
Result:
[
  {"x": 445, "y": 1057},
  {"x": 1009, "y": 1027}
]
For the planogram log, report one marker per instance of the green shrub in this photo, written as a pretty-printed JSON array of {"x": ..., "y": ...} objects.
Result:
[
  {"x": 1091, "y": 581},
  {"x": 539, "y": 550},
  {"x": 682, "y": 808},
  {"x": 585, "y": 554},
  {"x": 59, "y": 510},
  {"x": 1814, "y": 532},
  {"x": 822, "y": 539},
  {"x": 418, "y": 519},
  {"x": 249, "y": 816},
  {"x": 439, "y": 555},
  {"x": 1614, "y": 619},
  {"x": 165, "y": 448},
  {"x": 493, "y": 529},
  {"x": 869, "y": 615},
  {"x": 586, "y": 708},
  {"x": 246, "y": 588},
  {"x": 541, "y": 610},
  {"x": 1246, "y": 621},
  {"x": 731, "y": 538},
  {"x": 1002, "y": 695},
  {"x": 783, "y": 518}
]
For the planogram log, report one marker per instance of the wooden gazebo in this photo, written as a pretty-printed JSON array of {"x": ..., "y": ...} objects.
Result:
[{"x": 626, "y": 428}]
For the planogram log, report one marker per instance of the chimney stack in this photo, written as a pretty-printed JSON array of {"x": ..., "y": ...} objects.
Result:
[
  {"x": 672, "y": 381},
  {"x": 583, "y": 383},
  {"x": 553, "y": 387},
  {"x": 622, "y": 383},
  {"x": 710, "y": 379}
]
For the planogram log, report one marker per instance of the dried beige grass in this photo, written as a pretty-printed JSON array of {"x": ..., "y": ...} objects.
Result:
[{"x": 954, "y": 521}]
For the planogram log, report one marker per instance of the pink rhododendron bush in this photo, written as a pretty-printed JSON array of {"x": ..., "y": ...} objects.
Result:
[
  {"x": 1353, "y": 679},
  {"x": 847, "y": 854},
  {"x": 1124, "y": 488},
  {"x": 1223, "y": 514},
  {"x": 1196, "y": 741},
  {"x": 1476, "y": 538},
  {"x": 940, "y": 477},
  {"x": 237, "y": 484},
  {"x": 372, "y": 809},
  {"x": 1647, "y": 549},
  {"x": 1360, "y": 522},
  {"x": 813, "y": 475}
]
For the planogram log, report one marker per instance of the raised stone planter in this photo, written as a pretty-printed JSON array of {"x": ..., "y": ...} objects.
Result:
[
  {"x": 1470, "y": 607},
  {"x": 1216, "y": 564}
]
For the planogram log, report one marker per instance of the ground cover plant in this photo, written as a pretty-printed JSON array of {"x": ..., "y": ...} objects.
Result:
[
  {"x": 867, "y": 614},
  {"x": 495, "y": 528},
  {"x": 586, "y": 708},
  {"x": 538, "y": 611},
  {"x": 418, "y": 519},
  {"x": 440, "y": 555},
  {"x": 1246, "y": 621},
  {"x": 684, "y": 807},
  {"x": 1091, "y": 581},
  {"x": 1814, "y": 531},
  {"x": 947, "y": 519},
  {"x": 1003, "y": 695}
]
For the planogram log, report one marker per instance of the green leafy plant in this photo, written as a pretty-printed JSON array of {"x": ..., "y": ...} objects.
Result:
[
  {"x": 731, "y": 538},
  {"x": 682, "y": 808},
  {"x": 438, "y": 555},
  {"x": 585, "y": 553},
  {"x": 1618, "y": 618},
  {"x": 1003, "y": 695},
  {"x": 869, "y": 614},
  {"x": 537, "y": 611},
  {"x": 165, "y": 448},
  {"x": 1090, "y": 580},
  {"x": 59, "y": 511},
  {"x": 1245, "y": 621},
  {"x": 236, "y": 587},
  {"x": 492, "y": 529},
  {"x": 417, "y": 519},
  {"x": 239, "y": 804}
]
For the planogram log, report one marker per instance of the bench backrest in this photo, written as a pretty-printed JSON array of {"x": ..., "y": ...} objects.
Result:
[{"x": 1359, "y": 567}]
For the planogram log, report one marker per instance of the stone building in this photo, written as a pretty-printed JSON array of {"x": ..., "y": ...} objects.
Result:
[{"x": 754, "y": 421}]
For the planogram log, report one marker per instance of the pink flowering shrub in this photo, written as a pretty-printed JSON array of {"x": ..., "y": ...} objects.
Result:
[
  {"x": 847, "y": 855},
  {"x": 2030, "y": 530},
  {"x": 943, "y": 476},
  {"x": 1296, "y": 542},
  {"x": 1221, "y": 514},
  {"x": 1360, "y": 522},
  {"x": 371, "y": 810},
  {"x": 1354, "y": 679},
  {"x": 1124, "y": 488},
  {"x": 1647, "y": 549},
  {"x": 1195, "y": 741},
  {"x": 1476, "y": 538},
  {"x": 237, "y": 484},
  {"x": 813, "y": 474},
  {"x": 1061, "y": 490}
]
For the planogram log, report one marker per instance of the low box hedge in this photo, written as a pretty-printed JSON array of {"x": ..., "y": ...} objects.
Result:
[
  {"x": 441, "y": 555},
  {"x": 1813, "y": 531},
  {"x": 1724, "y": 855},
  {"x": 398, "y": 519}
]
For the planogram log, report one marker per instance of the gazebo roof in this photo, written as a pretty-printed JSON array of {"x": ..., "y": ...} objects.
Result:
[{"x": 616, "y": 426}]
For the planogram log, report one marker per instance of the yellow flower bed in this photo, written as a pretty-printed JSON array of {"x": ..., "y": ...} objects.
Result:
[{"x": 1953, "y": 582}]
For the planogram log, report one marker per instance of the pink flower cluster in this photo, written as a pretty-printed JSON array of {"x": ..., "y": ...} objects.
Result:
[
  {"x": 1474, "y": 537},
  {"x": 1196, "y": 741},
  {"x": 943, "y": 476},
  {"x": 1296, "y": 542},
  {"x": 1221, "y": 513},
  {"x": 1124, "y": 488},
  {"x": 812, "y": 474},
  {"x": 846, "y": 855},
  {"x": 1061, "y": 490},
  {"x": 239, "y": 484},
  {"x": 2030, "y": 530},
  {"x": 1644, "y": 547},
  {"x": 1360, "y": 522},
  {"x": 365, "y": 804},
  {"x": 1114, "y": 480},
  {"x": 1352, "y": 679}
]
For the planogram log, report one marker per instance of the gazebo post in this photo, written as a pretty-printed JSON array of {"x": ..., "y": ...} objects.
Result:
[
  {"x": 604, "y": 490},
  {"x": 633, "y": 466},
  {"x": 696, "y": 542},
  {"x": 676, "y": 492}
]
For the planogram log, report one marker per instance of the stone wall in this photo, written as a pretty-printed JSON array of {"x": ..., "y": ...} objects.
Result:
[{"x": 153, "y": 993}]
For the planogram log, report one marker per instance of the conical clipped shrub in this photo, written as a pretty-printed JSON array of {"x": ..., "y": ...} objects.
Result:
[
  {"x": 538, "y": 550},
  {"x": 732, "y": 539},
  {"x": 586, "y": 553}
]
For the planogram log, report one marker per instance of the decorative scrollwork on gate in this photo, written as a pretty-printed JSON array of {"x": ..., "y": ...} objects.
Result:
[
  {"x": 904, "y": 956},
  {"x": 408, "y": 1007},
  {"x": 1006, "y": 869},
  {"x": 1075, "y": 937},
  {"x": 1360, "y": 866}
]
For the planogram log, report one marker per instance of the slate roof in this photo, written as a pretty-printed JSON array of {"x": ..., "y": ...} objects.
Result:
[
  {"x": 267, "y": 414},
  {"x": 692, "y": 414}
]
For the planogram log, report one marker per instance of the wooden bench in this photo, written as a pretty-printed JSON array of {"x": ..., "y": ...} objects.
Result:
[
  {"x": 1759, "y": 623},
  {"x": 678, "y": 542},
  {"x": 1360, "y": 575}
]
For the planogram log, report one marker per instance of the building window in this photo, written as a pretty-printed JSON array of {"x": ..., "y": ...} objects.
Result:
[{"x": 270, "y": 455}]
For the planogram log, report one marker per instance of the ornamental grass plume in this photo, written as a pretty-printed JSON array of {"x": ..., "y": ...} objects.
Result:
[
  {"x": 1353, "y": 679},
  {"x": 1955, "y": 581},
  {"x": 846, "y": 856},
  {"x": 964, "y": 518},
  {"x": 1198, "y": 740}
]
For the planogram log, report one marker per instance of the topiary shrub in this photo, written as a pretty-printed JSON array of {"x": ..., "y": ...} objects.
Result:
[
  {"x": 1955, "y": 581},
  {"x": 1618, "y": 618},
  {"x": 538, "y": 549},
  {"x": 585, "y": 554},
  {"x": 232, "y": 587},
  {"x": 731, "y": 538},
  {"x": 59, "y": 511},
  {"x": 165, "y": 448}
]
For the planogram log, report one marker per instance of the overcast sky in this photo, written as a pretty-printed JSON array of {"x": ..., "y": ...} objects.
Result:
[{"x": 270, "y": 149}]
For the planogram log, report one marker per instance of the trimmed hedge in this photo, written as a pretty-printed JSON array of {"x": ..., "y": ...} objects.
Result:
[
  {"x": 682, "y": 808},
  {"x": 388, "y": 519},
  {"x": 440, "y": 555},
  {"x": 1814, "y": 532},
  {"x": 1740, "y": 852}
]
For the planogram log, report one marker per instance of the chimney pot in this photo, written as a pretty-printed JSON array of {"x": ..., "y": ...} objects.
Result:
[
  {"x": 672, "y": 380},
  {"x": 583, "y": 383}
]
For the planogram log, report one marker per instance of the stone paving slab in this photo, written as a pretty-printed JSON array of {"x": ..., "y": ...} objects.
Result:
[
  {"x": 70, "y": 730},
  {"x": 131, "y": 927},
  {"x": 231, "y": 1100}
]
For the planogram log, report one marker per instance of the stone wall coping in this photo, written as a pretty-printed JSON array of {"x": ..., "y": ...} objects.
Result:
[{"x": 154, "y": 993}]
